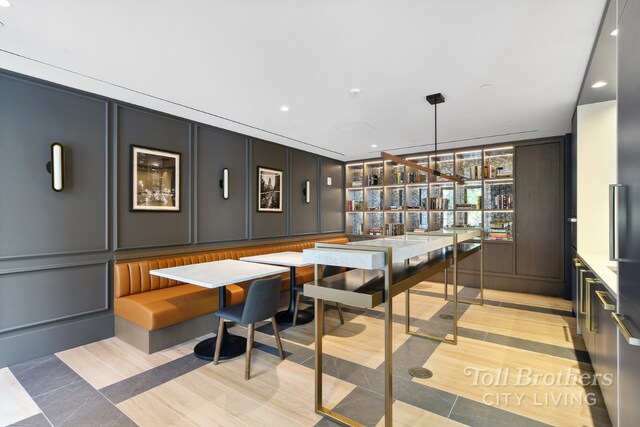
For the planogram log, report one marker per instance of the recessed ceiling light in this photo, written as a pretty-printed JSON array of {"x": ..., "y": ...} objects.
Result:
[
  {"x": 284, "y": 108},
  {"x": 596, "y": 85},
  {"x": 614, "y": 32},
  {"x": 356, "y": 91},
  {"x": 5, "y": 3},
  {"x": 485, "y": 86},
  {"x": 374, "y": 145}
]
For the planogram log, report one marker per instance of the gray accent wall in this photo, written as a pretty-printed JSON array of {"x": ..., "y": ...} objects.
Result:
[
  {"x": 217, "y": 218},
  {"x": 141, "y": 229},
  {"x": 304, "y": 216},
  {"x": 331, "y": 196},
  {"x": 57, "y": 249},
  {"x": 271, "y": 156}
]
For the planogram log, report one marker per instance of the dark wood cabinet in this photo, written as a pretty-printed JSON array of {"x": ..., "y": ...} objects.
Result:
[{"x": 539, "y": 211}]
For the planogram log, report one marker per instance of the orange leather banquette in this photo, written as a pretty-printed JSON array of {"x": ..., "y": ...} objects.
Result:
[{"x": 154, "y": 303}]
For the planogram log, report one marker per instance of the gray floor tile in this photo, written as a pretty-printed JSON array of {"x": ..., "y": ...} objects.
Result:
[
  {"x": 476, "y": 414},
  {"x": 412, "y": 353},
  {"x": 38, "y": 420},
  {"x": 43, "y": 375},
  {"x": 538, "y": 347},
  {"x": 79, "y": 404},
  {"x": 147, "y": 380},
  {"x": 422, "y": 396},
  {"x": 362, "y": 405},
  {"x": 565, "y": 313}
]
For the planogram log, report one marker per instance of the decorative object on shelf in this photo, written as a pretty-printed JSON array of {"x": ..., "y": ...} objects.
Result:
[
  {"x": 224, "y": 183},
  {"x": 155, "y": 180},
  {"x": 269, "y": 190},
  {"x": 306, "y": 192},
  {"x": 56, "y": 166}
]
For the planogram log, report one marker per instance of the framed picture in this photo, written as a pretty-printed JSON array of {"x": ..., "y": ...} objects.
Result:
[
  {"x": 155, "y": 179},
  {"x": 269, "y": 190}
]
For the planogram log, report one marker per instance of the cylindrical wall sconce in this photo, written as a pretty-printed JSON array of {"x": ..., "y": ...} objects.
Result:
[
  {"x": 307, "y": 191},
  {"x": 224, "y": 183},
  {"x": 56, "y": 166}
]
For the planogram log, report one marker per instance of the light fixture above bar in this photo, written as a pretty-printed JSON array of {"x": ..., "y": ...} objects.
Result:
[{"x": 414, "y": 165}]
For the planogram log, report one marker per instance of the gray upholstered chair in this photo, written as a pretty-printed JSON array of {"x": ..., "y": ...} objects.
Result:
[
  {"x": 328, "y": 270},
  {"x": 262, "y": 303}
]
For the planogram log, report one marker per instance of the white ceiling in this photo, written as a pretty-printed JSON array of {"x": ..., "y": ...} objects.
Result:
[{"x": 233, "y": 63}]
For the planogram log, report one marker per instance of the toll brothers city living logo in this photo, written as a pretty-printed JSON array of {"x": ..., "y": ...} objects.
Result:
[{"x": 524, "y": 387}]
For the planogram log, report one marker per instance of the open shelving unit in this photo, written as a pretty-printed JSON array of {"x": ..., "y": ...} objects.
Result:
[{"x": 386, "y": 199}]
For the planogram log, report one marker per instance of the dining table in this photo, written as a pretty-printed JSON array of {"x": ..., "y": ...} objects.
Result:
[
  {"x": 219, "y": 274},
  {"x": 292, "y": 260}
]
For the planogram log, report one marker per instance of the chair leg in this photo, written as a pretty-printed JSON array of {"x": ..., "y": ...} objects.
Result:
[
  {"x": 216, "y": 354},
  {"x": 295, "y": 310},
  {"x": 277, "y": 335},
  {"x": 247, "y": 368},
  {"x": 340, "y": 313}
]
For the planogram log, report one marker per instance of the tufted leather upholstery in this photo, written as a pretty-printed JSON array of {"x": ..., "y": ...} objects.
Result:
[{"x": 155, "y": 302}]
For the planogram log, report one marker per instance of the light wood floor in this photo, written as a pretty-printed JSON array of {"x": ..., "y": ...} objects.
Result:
[{"x": 282, "y": 392}]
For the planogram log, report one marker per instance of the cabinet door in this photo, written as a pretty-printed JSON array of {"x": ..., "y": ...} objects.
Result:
[
  {"x": 539, "y": 211},
  {"x": 605, "y": 352},
  {"x": 629, "y": 208}
]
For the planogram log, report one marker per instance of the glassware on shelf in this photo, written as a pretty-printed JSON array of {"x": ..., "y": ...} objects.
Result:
[{"x": 498, "y": 162}]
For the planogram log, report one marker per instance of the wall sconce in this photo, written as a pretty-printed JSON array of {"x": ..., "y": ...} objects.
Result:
[
  {"x": 306, "y": 191},
  {"x": 224, "y": 183},
  {"x": 56, "y": 166}
]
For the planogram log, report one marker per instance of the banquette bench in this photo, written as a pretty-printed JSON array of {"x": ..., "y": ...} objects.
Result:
[{"x": 153, "y": 313}]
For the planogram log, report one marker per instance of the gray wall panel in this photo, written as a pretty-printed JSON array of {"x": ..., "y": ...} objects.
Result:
[
  {"x": 151, "y": 229},
  {"x": 18, "y": 347},
  {"x": 332, "y": 197},
  {"x": 35, "y": 219},
  {"x": 217, "y": 219},
  {"x": 304, "y": 216},
  {"x": 33, "y": 297},
  {"x": 268, "y": 224}
]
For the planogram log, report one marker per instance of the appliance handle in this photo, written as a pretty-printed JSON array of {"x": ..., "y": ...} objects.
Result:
[{"x": 613, "y": 222}]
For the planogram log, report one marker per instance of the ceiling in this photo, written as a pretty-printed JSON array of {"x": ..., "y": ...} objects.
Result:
[{"x": 233, "y": 64}]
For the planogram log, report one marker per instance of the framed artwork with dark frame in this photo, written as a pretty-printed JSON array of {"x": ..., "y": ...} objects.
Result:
[
  {"x": 155, "y": 180},
  {"x": 269, "y": 190}
]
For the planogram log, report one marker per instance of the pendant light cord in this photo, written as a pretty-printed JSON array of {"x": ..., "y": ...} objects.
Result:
[{"x": 435, "y": 139}]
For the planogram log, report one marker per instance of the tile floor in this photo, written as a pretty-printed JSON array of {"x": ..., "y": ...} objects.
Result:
[{"x": 481, "y": 381}]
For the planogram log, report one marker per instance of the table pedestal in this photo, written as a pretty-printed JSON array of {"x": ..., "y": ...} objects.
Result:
[
  {"x": 232, "y": 346},
  {"x": 286, "y": 317}
]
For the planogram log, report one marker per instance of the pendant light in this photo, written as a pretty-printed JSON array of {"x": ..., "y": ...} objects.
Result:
[{"x": 434, "y": 100}]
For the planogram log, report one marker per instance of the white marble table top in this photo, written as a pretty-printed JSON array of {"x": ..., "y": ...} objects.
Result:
[
  {"x": 218, "y": 273},
  {"x": 410, "y": 247},
  {"x": 346, "y": 257},
  {"x": 288, "y": 259}
]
